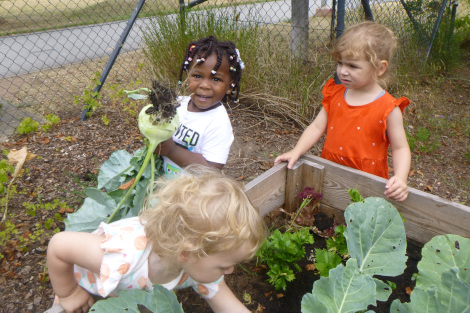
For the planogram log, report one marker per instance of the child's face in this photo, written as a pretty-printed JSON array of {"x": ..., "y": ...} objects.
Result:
[
  {"x": 356, "y": 73},
  {"x": 208, "y": 89},
  {"x": 210, "y": 268}
]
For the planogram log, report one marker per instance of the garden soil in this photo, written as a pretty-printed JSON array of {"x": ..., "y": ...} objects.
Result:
[{"x": 69, "y": 156}]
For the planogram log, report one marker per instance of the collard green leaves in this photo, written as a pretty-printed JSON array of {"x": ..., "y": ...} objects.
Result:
[
  {"x": 443, "y": 283},
  {"x": 159, "y": 300},
  {"x": 101, "y": 202},
  {"x": 376, "y": 237},
  {"x": 376, "y": 241}
]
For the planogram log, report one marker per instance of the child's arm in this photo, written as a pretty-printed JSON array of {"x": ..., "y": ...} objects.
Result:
[
  {"x": 66, "y": 249},
  {"x": 309, "y": 138},
  {"x": 181, "y": 156},
  {"x": 397, "y": 188},
  {"x": 225, "y": 301}
]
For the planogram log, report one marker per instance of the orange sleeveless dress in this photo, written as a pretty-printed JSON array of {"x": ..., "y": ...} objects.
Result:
[{"x": 356, "y": 135}]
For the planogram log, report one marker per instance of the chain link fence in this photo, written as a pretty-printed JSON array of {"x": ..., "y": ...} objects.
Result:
[{"x": 51, "y": 49}]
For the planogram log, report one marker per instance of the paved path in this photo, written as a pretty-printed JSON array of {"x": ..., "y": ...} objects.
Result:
[{"x": 35, "y": 51}]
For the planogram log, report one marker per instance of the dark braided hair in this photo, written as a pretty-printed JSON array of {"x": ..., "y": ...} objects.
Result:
[{"x": 198, "y": 51}]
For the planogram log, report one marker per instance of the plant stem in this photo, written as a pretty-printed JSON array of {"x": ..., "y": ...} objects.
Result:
[
  {"x": 305, "y": 202},
  {"x": 151, "y": 148}
]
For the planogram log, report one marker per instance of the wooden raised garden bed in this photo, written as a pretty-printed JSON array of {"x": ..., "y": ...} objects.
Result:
[{"x": 425, "y": 215}]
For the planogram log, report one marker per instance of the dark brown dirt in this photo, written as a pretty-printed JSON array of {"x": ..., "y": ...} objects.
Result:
[{"x": 70, "y": 155}]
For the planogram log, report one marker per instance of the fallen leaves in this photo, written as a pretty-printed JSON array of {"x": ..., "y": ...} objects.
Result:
[
  {"x": 19, "y": 157},
  {"x": 127, "y": 185},
  {"x": 65, "y": 210}
]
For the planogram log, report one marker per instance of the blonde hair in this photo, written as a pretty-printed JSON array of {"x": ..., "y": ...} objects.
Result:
[
  {"x": 204, "y": 213},
  {"x": 369, "y": 40}
]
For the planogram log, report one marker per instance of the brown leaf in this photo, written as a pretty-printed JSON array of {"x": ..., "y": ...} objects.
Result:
[
  {"x": 45, "y": 140},
  {"x": 280, "y": 295},
  {"x": 73, "y": 139},
  {"x": 127, "y": 185},
  {"x": 260, "y": 309},
  {"x": 63, "y": 210},
  {"x": 412, "y": 172},
  {"x": 428, "y": 188},
  {"x": 268, "y": 294},
  {"x": 242, "y": 177},
  {"x": 309, "y": 267},
  {"x": 18, "y": 157},
  {"x": 420, "y": 173},
  {"x": 408, "y": 290}
]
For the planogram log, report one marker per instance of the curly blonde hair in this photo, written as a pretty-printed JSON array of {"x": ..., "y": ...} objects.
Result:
[
  {"x": 373, "y": 42},
  {"x": 204, "y": 213}
]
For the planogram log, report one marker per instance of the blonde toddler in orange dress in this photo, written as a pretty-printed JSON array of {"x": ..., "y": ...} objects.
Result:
[{"x": 359, "y": 117}]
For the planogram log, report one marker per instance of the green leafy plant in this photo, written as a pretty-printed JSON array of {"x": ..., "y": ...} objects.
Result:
[
  {"x": 90, "y": 99},
  {"x": 376, "y": 241},
  {"x": 282, "y": 251},
  {"x": 336, "y": 251},
  {"x": 5, "y": 171},
  {"x": 51, "y": 121},
  {"x": 123, "y": 176},
  {"x": 27, "y": 125},
  {"x": 105, "y": 120},
  {"x": 159, "y": 300},
  {"x": 443, "y": 280},
  {"x": 355, "y": 195}
]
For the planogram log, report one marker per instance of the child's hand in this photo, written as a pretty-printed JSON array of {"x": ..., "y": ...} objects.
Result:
[
  {"x": 396, "y": 189},
  {"x": 291, "y": 157},
  {"x": 79, "y": 301}
]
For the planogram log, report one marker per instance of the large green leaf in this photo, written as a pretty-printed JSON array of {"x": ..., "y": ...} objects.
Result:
[
  {"x": 376, "y": 241},
  {"x": 443, "y": 283},
  {"x": 159, "y": 300},
  {"x": 443, "y": 253},
  {"x": 345, "y": 290},
  {"x": 94, "y": 210},
  {"x": 451, "y": 296},
  {"x": 110, "y": 175},
  {"x": 376, "y": 237}
]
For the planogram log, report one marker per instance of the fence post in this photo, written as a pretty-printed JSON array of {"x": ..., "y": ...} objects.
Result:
[
  {"x": 367, "y": 11},
  {"x": 117, "y": 49},
  {"x": 434, "y": 31},
  {"x": 299, "y": 33},
  {"x": 340, "y": 26}
]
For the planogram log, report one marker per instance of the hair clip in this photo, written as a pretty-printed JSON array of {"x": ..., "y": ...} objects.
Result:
[
  {"x": 186, "y": 62},
  {"x": 231, "y": 57},
  {"x": 190, "y": 59},
  {"x": 192, "y": 47},
  {"x": 233, "y": 92},
  {"x": 239, "y": 60},
  {"x": 233, "y": 69},
  {"x": 232, "y": 85},
  {"x": 236, "y": 101},
  {"x": 198, "y": 61},
  {"x": 213, "y": 72},
  {"x": 203, "y": 60},
  {"x": 180, "y": 82}
]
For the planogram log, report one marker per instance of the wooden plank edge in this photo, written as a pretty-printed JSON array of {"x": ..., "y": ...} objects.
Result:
[
  {"x": 267, "y": 191},
  {"x": 426, "y": 215}
]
